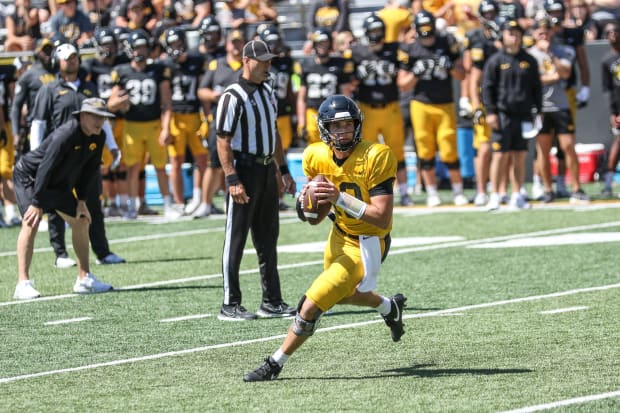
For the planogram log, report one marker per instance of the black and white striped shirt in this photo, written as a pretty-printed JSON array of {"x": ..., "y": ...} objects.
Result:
[{"x": 248, "y": 113}]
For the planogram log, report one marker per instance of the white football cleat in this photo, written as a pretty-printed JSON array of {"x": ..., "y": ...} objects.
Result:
[{"x": 64, "y": 262}]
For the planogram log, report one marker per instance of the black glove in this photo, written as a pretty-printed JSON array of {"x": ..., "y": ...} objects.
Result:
[
  {"x": 3, "y": 140},
  {"x": 479, "y": 117},
  {"x": 419, "y": 67}
]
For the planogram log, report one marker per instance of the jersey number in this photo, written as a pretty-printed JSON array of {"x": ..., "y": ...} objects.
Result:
[
  {"x": 184, "y": 88},
  {"x": 321, "y": 86},
  {"x": 142, "y": 92}
]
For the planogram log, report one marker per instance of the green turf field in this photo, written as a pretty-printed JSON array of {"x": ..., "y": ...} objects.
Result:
[{"x": 506, "y": 311}]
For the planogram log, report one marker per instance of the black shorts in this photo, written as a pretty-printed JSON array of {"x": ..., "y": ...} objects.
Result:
[
  {"x": 558, "y": 122},
  {"x": 212, "y": 143},
  {"x": 52, "y": 200},
  {"x": 509, "y": 136}
]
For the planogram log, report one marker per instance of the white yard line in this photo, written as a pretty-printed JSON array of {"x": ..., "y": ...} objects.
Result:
[
  {"x": 281, "y": 336},
  {"x": 320, "y": 262},
  {"x": 185, "y": 318},
  {"x": 68, "y": 321},
  {"x": 564, "y": 310},
  {"x": 567, "y": 402}
]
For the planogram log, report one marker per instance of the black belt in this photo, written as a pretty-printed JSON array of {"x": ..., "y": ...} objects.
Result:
[
  {"x": 346, "y": 234},
  {"x": 251, "y": 158}
]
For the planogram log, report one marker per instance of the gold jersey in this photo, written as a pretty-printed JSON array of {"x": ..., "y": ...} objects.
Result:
[{"x": 369, "y": 165}]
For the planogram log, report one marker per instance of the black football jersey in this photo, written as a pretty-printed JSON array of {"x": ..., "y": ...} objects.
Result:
[
  {"x": 143, "y": 89},
  {"x": 100, "y": 74},
  {"x": 281, "y": 72},
  {"x": 434, "y": 85},
  {"x": 324, "y": 79},
  {"x": 480, "y": 47},
  {"x": 378, "y": 85},
  {"x": 184, "y": 83}
]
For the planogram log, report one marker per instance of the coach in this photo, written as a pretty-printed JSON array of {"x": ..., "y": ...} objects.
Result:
[
  {"x": 250, "y": 150},
  {"x": 57, "y": 176}
]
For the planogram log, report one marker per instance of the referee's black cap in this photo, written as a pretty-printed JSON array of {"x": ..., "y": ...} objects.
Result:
[{"x": 257, "y": 49}]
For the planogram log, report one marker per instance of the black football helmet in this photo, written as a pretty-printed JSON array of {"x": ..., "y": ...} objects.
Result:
[
  {"x": 210, "y": 31},
  {"x": 272, "y": 36},
  {"x": 319, "y": 36},
  {"x": 488, "y": 10},
  {"x": 337, "y": 108},
  {"x": 172, "y": 36},
  {"x": 136, "y": 39},
  {"x": 105, "y": 42},
  {"x": 555, "y": 9},
  {"x": 374, "y": 29},
  {"x": 424, "y": 23}
]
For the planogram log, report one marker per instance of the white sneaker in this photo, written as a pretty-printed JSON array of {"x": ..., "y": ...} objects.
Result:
[
  {"x": 538, "y": 192},
  {"x": 171, "y": 212},
  {"x": 25, "y": 291},
  {"x": 90, "y": 285},
  {"x": 191, "y": 206},
  {"x": 43, "y": 226},
  {"x": 130, "y": 215},
  {"x": 433, "y": 201},
  {"x": 518, "y": 201},
  {"x": 64, "y": 262},
  {"x": 460, "y": 200},
  {"x": 494, "y": 201},
  {"x": 481, "y": 199},
  {"x": 202, "y": 211}
]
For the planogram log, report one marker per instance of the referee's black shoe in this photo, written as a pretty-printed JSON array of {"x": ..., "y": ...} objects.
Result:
[
  {"x": 268, "y": 310},
  {"x": 394, "y": 319},
  {"x": 235, "y": 312},
  {"x": 269, "y": 370}
]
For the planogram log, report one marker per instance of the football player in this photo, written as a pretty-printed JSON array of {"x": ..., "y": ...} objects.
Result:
[
  {"x": 433, "y": 59},
  {"x": 187, "y": 69},
  {"x": 7, "y": 151},
  {"x": 147, "y": 122},
  {"x": 611, "y": 88},
  {"x": 377, "y": 68},
  {"x": 324, "y": 76},
  {"x": 99, "y": 69},
  {"x": 360, "y": 185},
  {"x": 481, "y": 44}
]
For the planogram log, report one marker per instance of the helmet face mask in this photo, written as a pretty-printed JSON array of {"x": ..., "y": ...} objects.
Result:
[
  {"x": 138, "y": 45},
  {"x": 105, "y": 40},
  {"x": 271, "y": 35},
  {"x": 374, "y": 29},
  {"x": 175, "y": 42},
  {"x": 424, "y": 23},
  {"x": 322, "y": 42},
  {"x": 210, "y": 31},
  {"x": 338, "y": 108}
]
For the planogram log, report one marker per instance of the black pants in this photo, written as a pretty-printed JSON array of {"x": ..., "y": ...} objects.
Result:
[
  {"x": 96, "y": 230},
  {"x": 260, "y": 216}
]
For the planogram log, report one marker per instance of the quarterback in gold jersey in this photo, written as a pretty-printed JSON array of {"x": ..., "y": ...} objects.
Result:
[{"x": 360, "y": 183}]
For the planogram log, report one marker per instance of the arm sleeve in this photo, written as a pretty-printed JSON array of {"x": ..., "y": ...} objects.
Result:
[
  {"x": 16, "y": 107},
  {"x": 489, "y": 91},
  {"x": 110, "y": 142},
  {"x": 37, "y": 132},
  {"x": 53, "y": 157}
]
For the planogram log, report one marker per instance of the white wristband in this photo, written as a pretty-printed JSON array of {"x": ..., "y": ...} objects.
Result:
[{"x": 351, "y": 205}]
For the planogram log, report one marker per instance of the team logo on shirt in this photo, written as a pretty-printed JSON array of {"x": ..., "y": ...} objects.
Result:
[{"x": 92, "y": 146}]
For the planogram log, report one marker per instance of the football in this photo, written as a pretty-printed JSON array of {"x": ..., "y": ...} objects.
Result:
[{"x": 315, "y": 211}]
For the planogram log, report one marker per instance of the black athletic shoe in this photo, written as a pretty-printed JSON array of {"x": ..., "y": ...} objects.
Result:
[
  {"x": 235, "y": 312},
  {"x": 275, "y": 310},
  {"x": 394, "y": 319},
  {"x": 269, "y": 370}
]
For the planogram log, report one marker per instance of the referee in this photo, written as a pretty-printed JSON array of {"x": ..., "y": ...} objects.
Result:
[{"x": 250, "y": 149}]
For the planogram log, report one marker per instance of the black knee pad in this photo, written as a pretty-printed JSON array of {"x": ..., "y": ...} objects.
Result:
[
  {"x": 108, "y": 177},
  {"x": 426, "y": 164},
  {"x": 121, "y": 175},
  {"x": 453, "y": 165}
]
